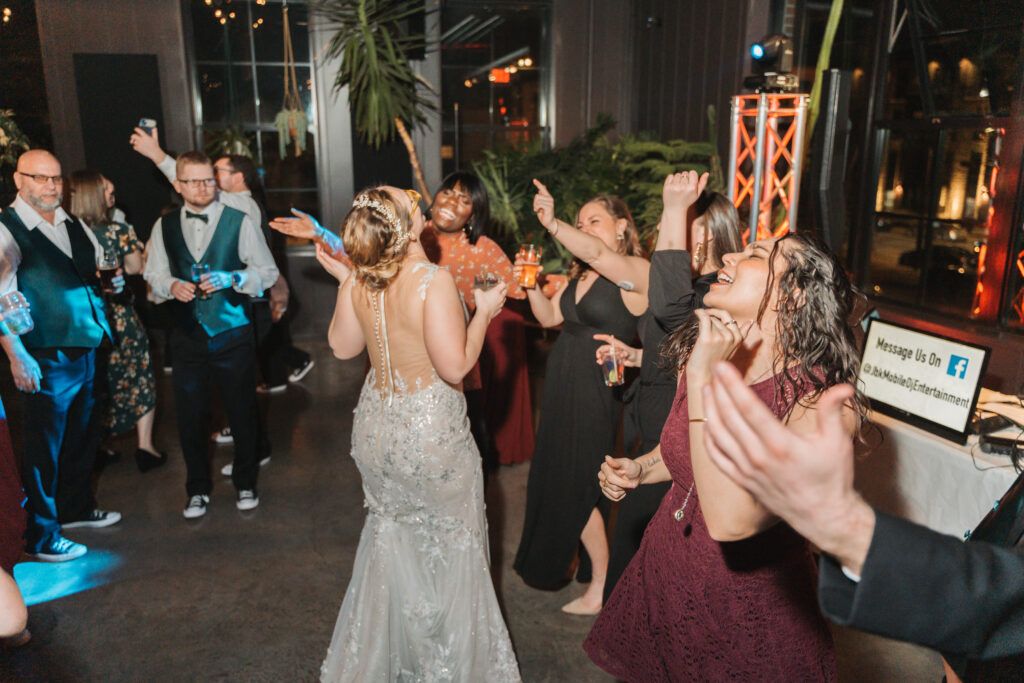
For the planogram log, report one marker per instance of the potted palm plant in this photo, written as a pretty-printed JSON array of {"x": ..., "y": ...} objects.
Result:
[{"x": 373, "y": 46}]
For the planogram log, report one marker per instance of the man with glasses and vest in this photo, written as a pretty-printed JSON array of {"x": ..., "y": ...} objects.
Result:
[
  {"x": 212, "y": 341},
  {"x": 51, "y": 257}
]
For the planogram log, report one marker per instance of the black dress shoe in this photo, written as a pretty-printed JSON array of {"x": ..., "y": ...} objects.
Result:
[
  {"x": 106, "y": 456},
  {"x": 147, "y": 460}
]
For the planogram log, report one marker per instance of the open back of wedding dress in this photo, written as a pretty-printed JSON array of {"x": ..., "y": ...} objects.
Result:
[{"x": 420, "y": 605}]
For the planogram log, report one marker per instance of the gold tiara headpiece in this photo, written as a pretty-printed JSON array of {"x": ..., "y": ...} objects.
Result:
[{"x": 385, "y": 211}]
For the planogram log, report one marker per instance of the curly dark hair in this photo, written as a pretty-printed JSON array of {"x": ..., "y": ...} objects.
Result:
[{"x": 814, "y": 340}]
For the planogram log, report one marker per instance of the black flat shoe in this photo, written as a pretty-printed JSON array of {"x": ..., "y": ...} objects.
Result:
[{"x": 147, "y": 461}]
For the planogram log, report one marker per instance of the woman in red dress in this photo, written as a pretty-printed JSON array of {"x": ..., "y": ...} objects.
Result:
[
  {"x": 721, "y": 589},
  {"x": 455, "y": 239}
]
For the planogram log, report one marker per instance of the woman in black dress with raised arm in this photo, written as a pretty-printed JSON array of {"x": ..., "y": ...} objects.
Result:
[
  {"x": 606, "y": 293},
  {"x": 697, "y": 227}
]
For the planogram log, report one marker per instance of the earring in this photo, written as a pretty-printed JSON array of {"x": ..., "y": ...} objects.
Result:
[
  {"x": 620, "y": 236},
  {"x": 698, "y": 252}
]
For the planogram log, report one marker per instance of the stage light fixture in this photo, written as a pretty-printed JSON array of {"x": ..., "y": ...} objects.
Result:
[{"x": 773, "y": 65}]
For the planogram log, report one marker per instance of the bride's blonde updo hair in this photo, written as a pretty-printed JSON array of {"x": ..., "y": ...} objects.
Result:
[{"x": 376, "y": 237}]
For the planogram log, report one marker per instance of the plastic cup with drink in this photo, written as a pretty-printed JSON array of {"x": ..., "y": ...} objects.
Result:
[
  {"x": 16, "y": 316},
  {"x": 529, "y": 255},
  {"x": 484, "y": 280},
  {"x": 108, "y": 270},
  {"x": 198, "y": 271},
  {"x": 612, "y": 368}
]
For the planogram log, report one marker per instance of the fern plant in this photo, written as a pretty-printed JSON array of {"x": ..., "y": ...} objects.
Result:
[
  {"x": 372, "y": 45},
  {"x": 634, "y": 168}
]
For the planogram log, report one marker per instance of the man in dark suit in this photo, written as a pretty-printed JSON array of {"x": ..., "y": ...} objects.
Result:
[
  {"x": 212, "y": 341},
  {"x": 878, "y": 573},
  {"x": 51, "y": 257}
]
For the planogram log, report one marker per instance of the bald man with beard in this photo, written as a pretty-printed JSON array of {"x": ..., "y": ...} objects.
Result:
[{"x": 51, "y": 257}]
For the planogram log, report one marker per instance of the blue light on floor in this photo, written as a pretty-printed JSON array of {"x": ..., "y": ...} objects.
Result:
[{"x": 44, "y": 581}]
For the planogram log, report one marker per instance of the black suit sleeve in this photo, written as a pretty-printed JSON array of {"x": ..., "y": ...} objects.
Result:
[
  {"x": 964, "y": 599},
  {"x": 671, "y": 295}
]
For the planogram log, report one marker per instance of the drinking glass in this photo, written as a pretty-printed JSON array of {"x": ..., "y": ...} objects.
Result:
[
  {"x": 16, "y": 316},
  {"x": 198, "y": 271},
  {"x": 484, "y": 280},
  {"x": 611, "y": 367},
  {"x": 530, "y": 255},
  {"x": 108, "y": 270}
]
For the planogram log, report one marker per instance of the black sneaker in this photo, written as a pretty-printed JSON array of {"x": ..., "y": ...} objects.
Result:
[
  {"x": 301, "y": 371},
  {"x": 196, "y": 506},
  {"x": 95, "y": 519},
  {"x": 60, "y": 549}
]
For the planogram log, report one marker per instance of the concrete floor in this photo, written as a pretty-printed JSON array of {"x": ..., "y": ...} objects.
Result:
[{"x": 254, "y": 596}]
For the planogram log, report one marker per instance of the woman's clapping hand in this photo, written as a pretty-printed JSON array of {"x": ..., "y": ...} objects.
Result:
[
  {"x": 617, "y": 476},
  {"x": 719, "y": 334}
]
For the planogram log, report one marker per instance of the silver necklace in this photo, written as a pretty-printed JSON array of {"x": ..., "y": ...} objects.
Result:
[{"x": 679, "y": 513}]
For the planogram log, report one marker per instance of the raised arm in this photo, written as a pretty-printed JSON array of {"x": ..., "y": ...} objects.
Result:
[
  {"x": 344, "y": 335},
  {"x": 452, "y": 346},
  {"x": 679, "y": 193},
  {"x": 629, "y": 272},
  {"x": 731, "y": 512},
  {"x": 304, "y": 226}
]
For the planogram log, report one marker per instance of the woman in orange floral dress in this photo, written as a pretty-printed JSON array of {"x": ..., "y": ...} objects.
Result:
[{"x": 498, "y": 390}]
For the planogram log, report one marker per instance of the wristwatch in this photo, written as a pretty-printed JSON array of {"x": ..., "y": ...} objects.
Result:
[{"x": 236, "y": 279}]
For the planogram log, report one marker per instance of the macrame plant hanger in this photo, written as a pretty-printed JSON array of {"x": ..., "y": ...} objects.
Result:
[{"x": 291, "y": 120}]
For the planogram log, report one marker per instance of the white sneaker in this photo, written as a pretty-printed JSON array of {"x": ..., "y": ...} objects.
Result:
[
  {"x": 247, "y": 500},
  {"x": 223, "y": 436},
  {"x": 302, "y": 371},
  {"x": 229, "y": 468},
  {"x": 196, "y": 506}
]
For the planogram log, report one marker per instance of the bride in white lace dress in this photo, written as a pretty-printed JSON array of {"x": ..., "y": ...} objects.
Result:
[{"x": 420, "y": 605}]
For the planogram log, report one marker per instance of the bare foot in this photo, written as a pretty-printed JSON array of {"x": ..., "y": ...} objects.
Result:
[{"x": 582, "y": 607}]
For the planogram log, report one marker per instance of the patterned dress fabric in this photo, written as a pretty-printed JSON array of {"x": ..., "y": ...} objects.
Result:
[
  {"x": 689, "y": 608},
  {"x": 420, "y": 605},
  {"x": 130, "y": 375},
  {"x": 502, "y": 372}
]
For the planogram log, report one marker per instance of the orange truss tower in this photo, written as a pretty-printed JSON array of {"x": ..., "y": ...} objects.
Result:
[{"x": 765, "y": 154}]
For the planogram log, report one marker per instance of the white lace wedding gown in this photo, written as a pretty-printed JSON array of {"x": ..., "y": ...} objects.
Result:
[{"x": 420, "y": 605}]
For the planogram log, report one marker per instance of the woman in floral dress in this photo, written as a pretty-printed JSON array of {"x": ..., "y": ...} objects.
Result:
[{"x": 132, "y": 389}]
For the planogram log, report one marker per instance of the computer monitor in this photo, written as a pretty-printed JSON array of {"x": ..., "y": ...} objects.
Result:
[{"x": 925, "y": 379}]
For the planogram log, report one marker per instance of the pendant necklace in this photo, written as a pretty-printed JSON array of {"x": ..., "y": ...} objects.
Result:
[{"x": 678, "y": 514}]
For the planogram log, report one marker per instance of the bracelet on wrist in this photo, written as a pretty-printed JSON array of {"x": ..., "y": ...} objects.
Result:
[{"x": 554, "y": 230}]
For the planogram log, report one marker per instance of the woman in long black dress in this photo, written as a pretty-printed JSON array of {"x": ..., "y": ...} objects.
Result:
[
  {"x": 607, "y": 292},
  {"x": 697, "y": 228}
]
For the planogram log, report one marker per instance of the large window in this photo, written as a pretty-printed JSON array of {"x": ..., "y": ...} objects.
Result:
[
  {"x": 239, "y": 56},
  {"x": 494, "y": 77},
  {"x": 940, "y": 126}
]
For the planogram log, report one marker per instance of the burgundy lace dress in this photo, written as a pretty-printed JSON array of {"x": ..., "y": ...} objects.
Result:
[{"x": 689, "y": 608}]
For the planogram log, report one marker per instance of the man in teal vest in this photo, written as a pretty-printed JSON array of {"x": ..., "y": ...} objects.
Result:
[
  {"x": 51, "y": 257},
  {"x": 212, "y": 342}
]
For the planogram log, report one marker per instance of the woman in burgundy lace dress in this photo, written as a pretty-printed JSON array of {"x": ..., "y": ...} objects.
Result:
[{"x": 721, "y": 590}]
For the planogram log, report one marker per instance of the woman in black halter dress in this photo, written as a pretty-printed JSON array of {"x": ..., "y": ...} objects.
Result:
[{"x": 579, "y": 414}]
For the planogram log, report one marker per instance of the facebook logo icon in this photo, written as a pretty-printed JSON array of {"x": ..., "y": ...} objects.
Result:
[{"x": 957, "y": 366}]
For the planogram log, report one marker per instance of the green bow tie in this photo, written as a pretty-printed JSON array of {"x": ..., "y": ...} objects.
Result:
[{"x": 200, "y": 216}]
